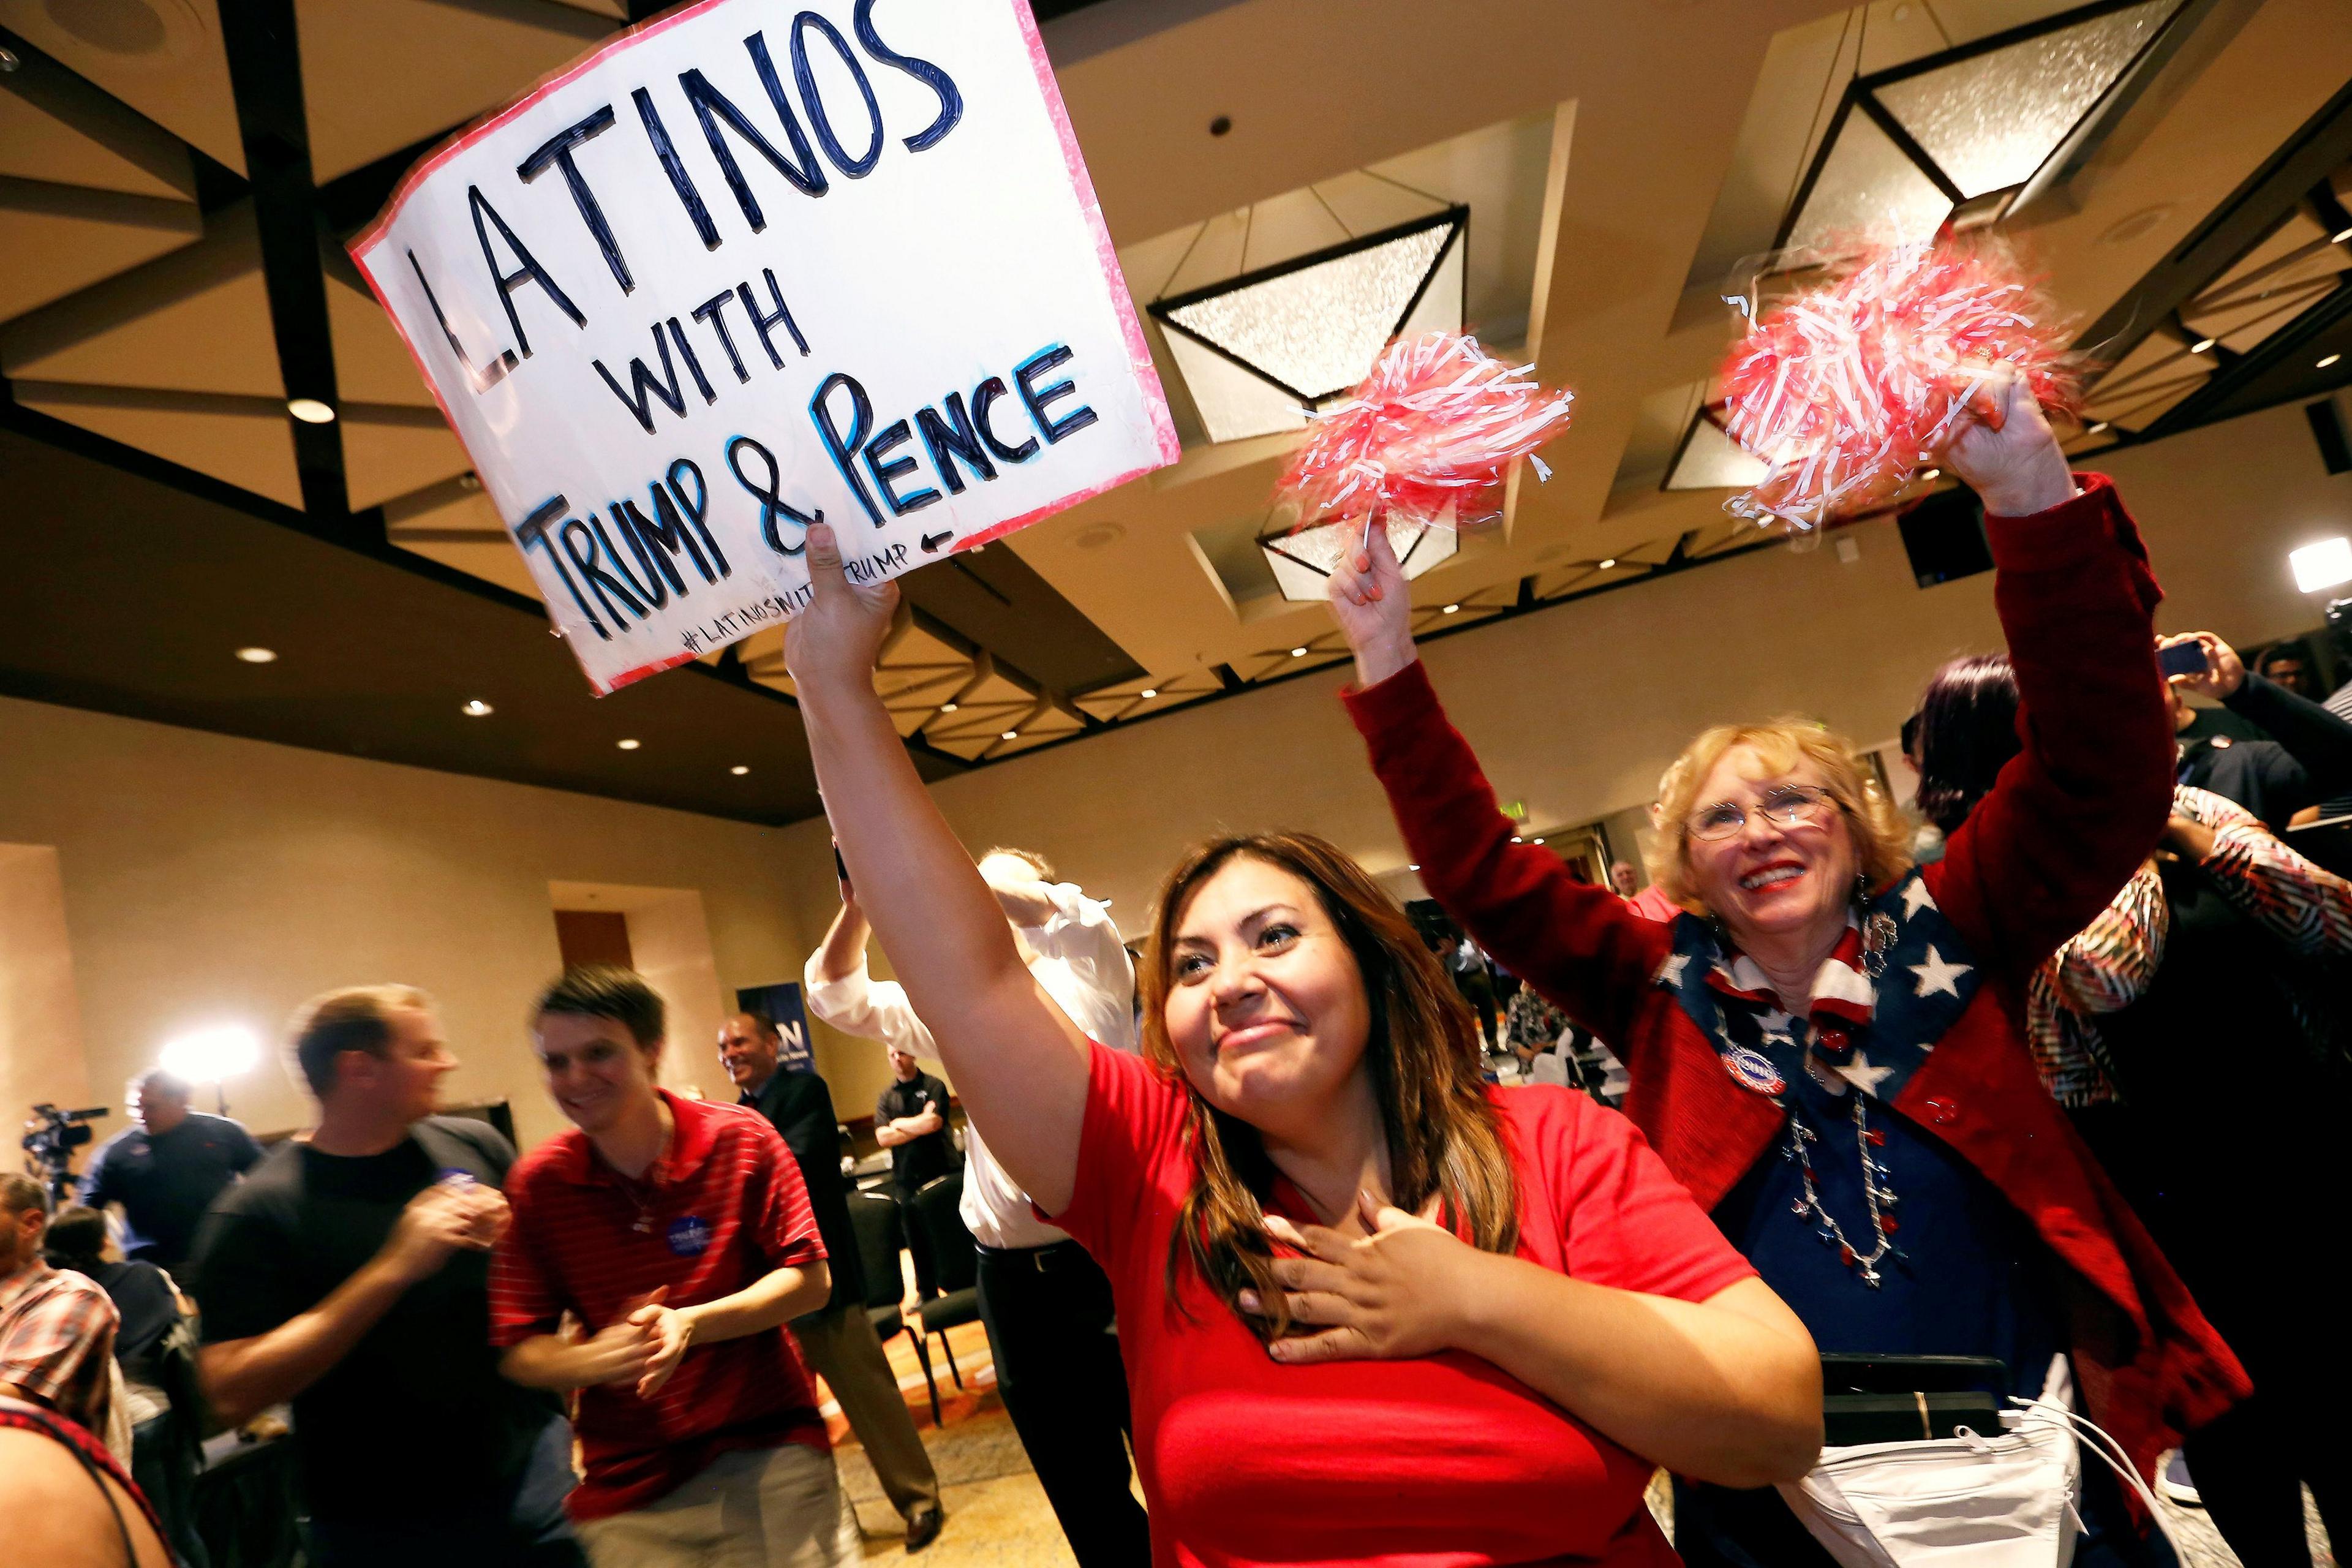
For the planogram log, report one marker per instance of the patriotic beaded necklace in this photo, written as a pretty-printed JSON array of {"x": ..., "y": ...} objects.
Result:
[{"x": 1874, "y": 1188}]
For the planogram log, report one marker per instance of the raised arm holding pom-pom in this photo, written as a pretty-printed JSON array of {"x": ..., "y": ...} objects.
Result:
[{"x": 1824, "y": 1049}]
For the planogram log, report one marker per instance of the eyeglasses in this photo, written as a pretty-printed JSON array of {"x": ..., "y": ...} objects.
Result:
[{"x": 1784, "y": 806}]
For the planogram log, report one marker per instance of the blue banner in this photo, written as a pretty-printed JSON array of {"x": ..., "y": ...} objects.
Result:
[{"x": 783, "y": 1003}]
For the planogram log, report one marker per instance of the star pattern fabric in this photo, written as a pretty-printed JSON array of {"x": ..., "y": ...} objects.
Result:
[
  {"x": 1938, "y": 977},
  {"x": 1863, "y": 1028}
]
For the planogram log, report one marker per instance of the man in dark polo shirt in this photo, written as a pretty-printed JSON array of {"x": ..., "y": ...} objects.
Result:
[
  {"x": 166, "y": 1170},
  {"x": 838, "y": 1338},
  {"x": 350, "y": 1274},
  {"x": 678, "y": 1233},
  {"x": 911, "y": 1119}
]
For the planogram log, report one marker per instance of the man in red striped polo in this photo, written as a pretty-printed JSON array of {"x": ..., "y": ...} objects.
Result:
[{"x": 680, "y": 1234}]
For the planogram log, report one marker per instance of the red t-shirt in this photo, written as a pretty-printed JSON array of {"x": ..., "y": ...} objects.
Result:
[
  {"x": 724, "y": 1207},
  {"x": 1444, "y": 1461}
]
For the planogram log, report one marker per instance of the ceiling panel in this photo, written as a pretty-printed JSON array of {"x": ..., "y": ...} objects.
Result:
[
  {"x": 375, "y": 659},
  {"x": 57, "y": 128},
  {"x": 245, "y": 441},
  {"x": 195, "y": 320},
  {"x": 59, "y": 239},
  {"x": 163, "y": 58},
  {"x": 494, "y": 561},
  {"x": 453, "y": 62},
  {"x": 390, "y": 452},
  {"x": 371, "y": 363}
]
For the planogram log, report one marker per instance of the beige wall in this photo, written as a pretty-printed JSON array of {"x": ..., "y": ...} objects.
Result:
[
  {"x": 207, "y": 879},
  {"x": 40, "y": 1016},
  {"x": 1576, "y": 709}
]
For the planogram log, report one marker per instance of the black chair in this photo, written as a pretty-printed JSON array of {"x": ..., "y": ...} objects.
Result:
[
  {"x": 875, "y": 1219},
  {"x": 955, "y": 1260}
]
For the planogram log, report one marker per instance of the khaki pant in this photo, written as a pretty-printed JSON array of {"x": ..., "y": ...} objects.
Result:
[
  {"x": 840, "y": 1343},
  {"x": 757, "y": 1507}
]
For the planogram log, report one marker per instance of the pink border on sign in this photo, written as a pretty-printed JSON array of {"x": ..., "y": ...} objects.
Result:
[{"x": 1155, "y": 397}]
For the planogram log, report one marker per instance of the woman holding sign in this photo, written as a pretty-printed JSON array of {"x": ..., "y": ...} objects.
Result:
[
  {"x": 1825, "y": 1046},
  {"x": 1310, "y": 1091}
]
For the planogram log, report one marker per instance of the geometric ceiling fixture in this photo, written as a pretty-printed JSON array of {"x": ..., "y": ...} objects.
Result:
[
  {"x": 2159, "y": 372},
  {"x": 1260, "y": 352},
  {"x": 1709, "y": 460},
  {"x": 2258, "y": 331},
  {"x": 1303, "y": 561},
  {"x": 1959, "y": 135},
  {"x": 2298, "y": 264}
]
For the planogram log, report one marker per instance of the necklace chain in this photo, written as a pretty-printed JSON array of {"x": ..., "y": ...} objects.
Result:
[{"x": 1876, "y": 1193}]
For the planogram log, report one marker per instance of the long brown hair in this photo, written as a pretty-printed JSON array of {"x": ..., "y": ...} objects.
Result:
[{"x": 1445, "y": 1137}]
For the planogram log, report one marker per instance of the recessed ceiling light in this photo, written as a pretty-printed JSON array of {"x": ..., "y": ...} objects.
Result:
[
  {"x": 738, "y": 769},
  {"x": 1009, "y": 735},
  {"x": 1449, "y": 610},
  {"x": 258, "y": 655},
  {"x": 1412, "y": 868},
  {"x": 310, "y": 411},
  {"x": 1149, "y": 693},
  {"x": 2339, "y": 237},
  {"x": 1605, "y": 566},
  {"x": 2331, "y": 359},
  {"x": 946, "y": 707},
  {"x": 1298, "y": 653},
  {"x": 1932, "y": 474},
  {"x": 1517, "y": 840},
  {"x": 477, "y": 709},
  {"x": 2201, "y": 345},
  {"x": 628, "y": 745},
  {"x": 2094, "y": 429},
  {"x": 1539, "y": 840}
]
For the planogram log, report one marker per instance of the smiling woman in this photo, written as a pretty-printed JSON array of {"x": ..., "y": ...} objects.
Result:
[
  {"x": 1307, "y": 1172},
  {"x": 1825, "y": 1045}
]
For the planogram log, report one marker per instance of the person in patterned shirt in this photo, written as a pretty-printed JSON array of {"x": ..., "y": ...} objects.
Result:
[
  {"x": 57, "y": 1327},
  {"x": 2195, "y": 1033}
]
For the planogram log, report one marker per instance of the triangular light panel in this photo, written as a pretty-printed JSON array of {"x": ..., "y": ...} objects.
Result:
[
  {"x": 1990, "y": 121},
  {"x": 1259, "y": 351}
]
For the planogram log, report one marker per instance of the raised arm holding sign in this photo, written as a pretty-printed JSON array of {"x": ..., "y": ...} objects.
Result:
[{"x": 756, "y": 264}]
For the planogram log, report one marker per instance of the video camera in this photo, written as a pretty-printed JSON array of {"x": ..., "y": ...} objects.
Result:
[{"x": 51, "y": 1136}]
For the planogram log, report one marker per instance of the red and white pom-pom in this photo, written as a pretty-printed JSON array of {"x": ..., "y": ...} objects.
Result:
[
  {"x": 1428, "y": 436},
  {"x": 1848, "y": 390}
]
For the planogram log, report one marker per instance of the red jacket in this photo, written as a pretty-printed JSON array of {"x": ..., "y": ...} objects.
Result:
[{"x": 2067, "y": 824}]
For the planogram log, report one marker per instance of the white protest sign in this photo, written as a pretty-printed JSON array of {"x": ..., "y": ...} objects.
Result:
[{"x": 756, "y": 263}]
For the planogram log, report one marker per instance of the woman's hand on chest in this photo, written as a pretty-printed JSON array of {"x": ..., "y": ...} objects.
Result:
[{"x": 1401, "y": 1290}]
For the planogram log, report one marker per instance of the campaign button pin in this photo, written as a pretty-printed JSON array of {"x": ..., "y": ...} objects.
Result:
[
  {"x": 691, "y": 1236},
  {"x": 1754, "y": 1070}
]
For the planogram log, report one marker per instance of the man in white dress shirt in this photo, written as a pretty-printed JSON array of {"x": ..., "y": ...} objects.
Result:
[{"x": 1045, "y": 1302}]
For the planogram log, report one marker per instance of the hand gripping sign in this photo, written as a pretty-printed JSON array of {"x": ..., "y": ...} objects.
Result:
[{"x": 756, "y": 263}]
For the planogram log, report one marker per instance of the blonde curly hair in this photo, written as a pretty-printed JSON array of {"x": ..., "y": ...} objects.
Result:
[{"x": 1882, "y": 840}]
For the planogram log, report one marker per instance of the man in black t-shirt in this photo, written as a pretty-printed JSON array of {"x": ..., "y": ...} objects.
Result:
[
  {"x": 911, "y": 1119},
  {"x": 350, "y": 1273},
  {"x": 166, "y": 1170}
]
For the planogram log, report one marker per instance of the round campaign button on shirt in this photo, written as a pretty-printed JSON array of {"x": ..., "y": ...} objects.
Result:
[
  {"x": 691, "y": 1236},
  {"x": 1753, "y": 1069}
]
